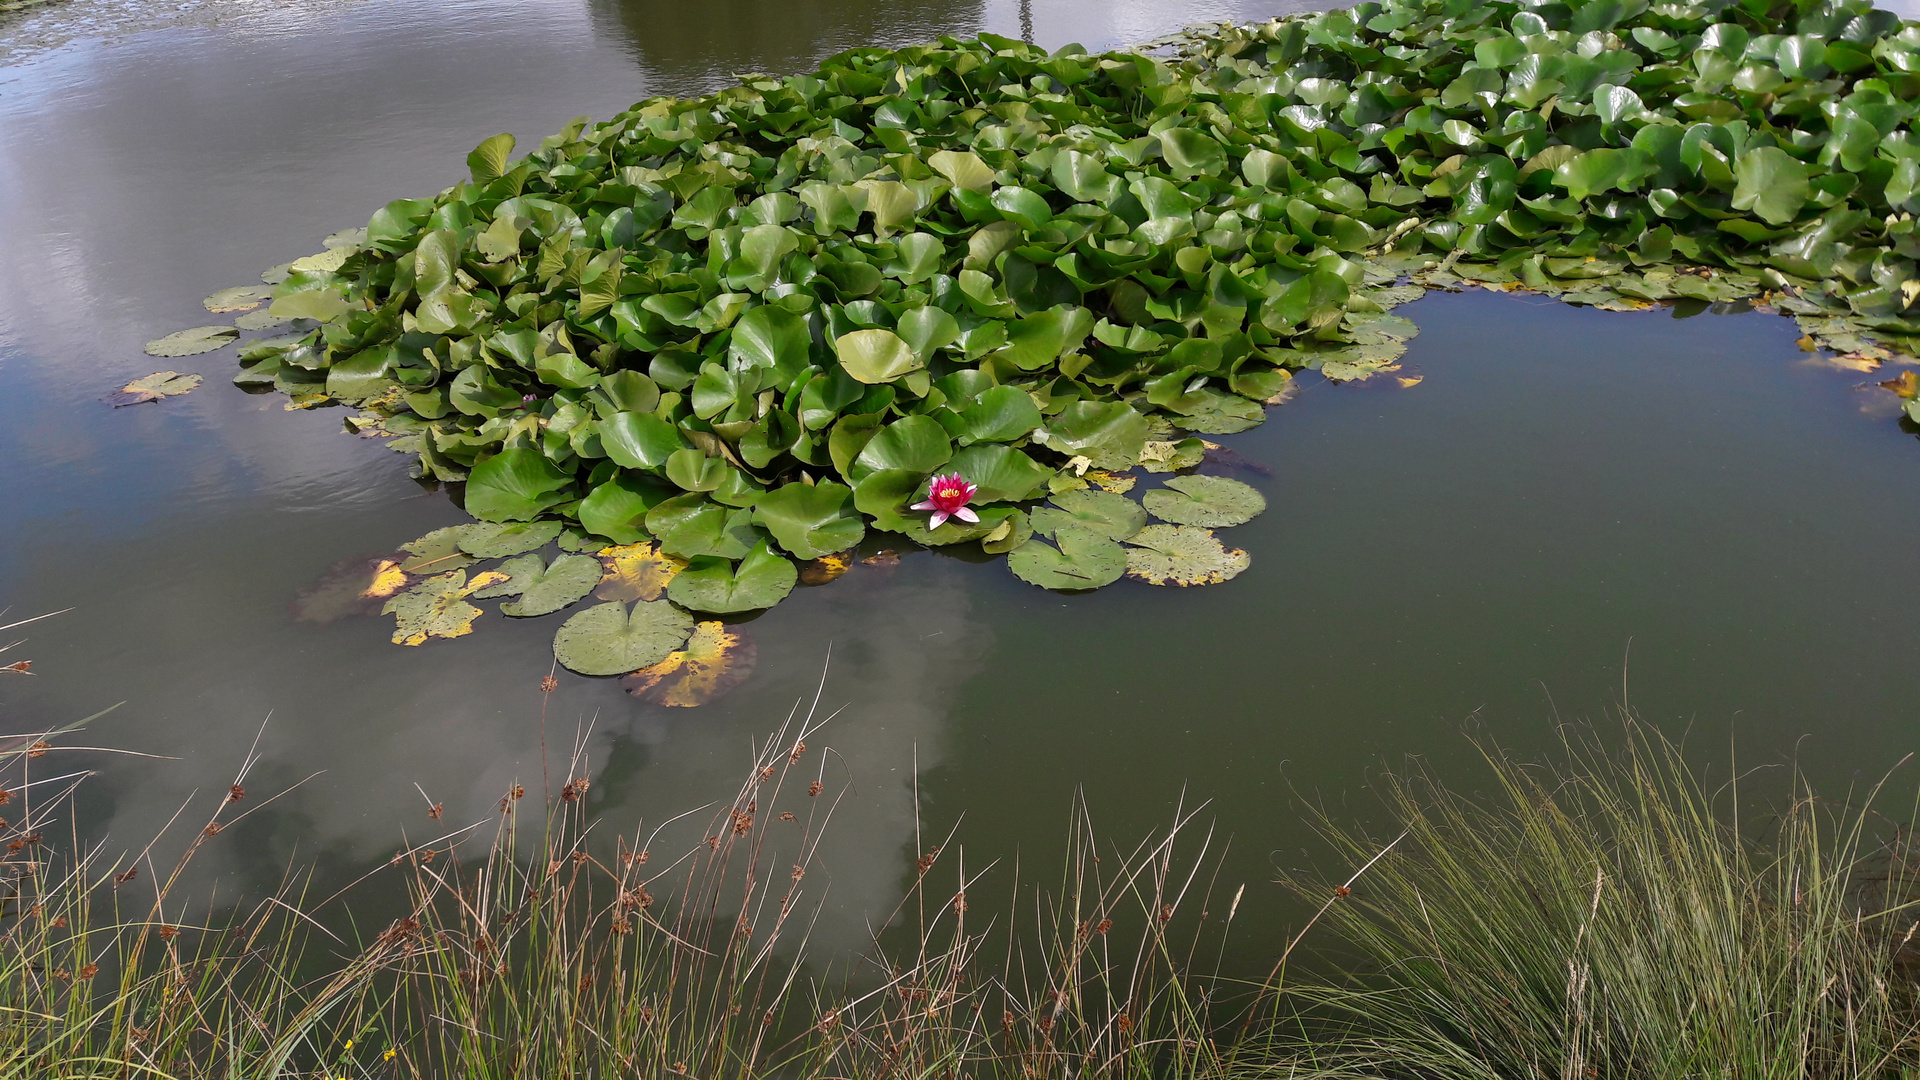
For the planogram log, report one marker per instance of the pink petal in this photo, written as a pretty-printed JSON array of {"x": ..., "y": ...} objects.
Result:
[
  {"x": 926, "y": 505},
  {"x": 965, "y": 514},
  {"x": 939, "y": 519}
]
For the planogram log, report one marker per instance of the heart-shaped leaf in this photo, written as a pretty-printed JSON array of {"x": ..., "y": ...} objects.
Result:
[
  {"x": 810, "y": 520},
  {"x": 612, "y": 639},
  {"x": 761, "y": 580},
  {"x": 1084, "y": 559}
]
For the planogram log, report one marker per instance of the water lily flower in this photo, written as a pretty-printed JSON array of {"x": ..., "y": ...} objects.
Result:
[{"x": 947, "y": 496}]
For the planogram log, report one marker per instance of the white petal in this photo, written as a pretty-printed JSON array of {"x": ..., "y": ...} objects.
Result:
[
  {"x": 965, "y": 514},
  {"x": 926, "y": 505},
  {"x": 939, "y": 519}
]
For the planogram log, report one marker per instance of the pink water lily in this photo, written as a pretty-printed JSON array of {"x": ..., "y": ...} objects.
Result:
[{"x": 947, "y": 496}]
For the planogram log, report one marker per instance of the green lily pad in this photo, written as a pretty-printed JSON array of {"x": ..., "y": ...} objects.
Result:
[
  {"x": 692, "y": 525},
  {"x": 519, "y": 572},
  {"x": 1182, "y": 555},
  {"x": 436, "y": 552},
  {"x": 497, "y": 541},
  {"x": 876, "y": 356},
  {"x": 1211, "y": 502},
  {"x": 199, "y": 339},
  {"x": 613, "y": 639},
  {"x": 1110, "y": 434},
  {"x": 1084, "y": 559},
  {"x": 239, "y": 298},
  {"x": 568, "y": 580},
  {"x": 810, "y": 520},
  {"x": 576, "y": 540},
  {"x": 1115, "y": 517},
  {"x": 261, "y": 319},
  {"x": 515, "y": 485},
  {"x": 761, "y": 580}
]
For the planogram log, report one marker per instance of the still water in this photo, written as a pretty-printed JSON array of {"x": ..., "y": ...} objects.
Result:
[{"x": 1572, "y": 508}]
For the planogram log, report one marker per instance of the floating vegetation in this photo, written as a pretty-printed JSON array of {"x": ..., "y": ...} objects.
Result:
[
  {"x": 437, "y": 607},
  {"x": 199, "y": 339},
  {"x": 239, "y": 298},
  {"x": 715, "y": 660},
  {"x": 745, "y": 329},
  {"x": 155, "y": 387}
]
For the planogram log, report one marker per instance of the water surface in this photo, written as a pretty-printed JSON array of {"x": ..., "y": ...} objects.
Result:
[{"x": 1572, "y": 509}]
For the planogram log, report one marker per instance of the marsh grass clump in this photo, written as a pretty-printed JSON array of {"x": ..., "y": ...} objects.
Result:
[{"x": 1612, "y": 916}]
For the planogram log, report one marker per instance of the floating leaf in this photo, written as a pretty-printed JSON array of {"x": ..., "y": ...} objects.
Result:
[
  {"x": 155, "y": 387},
  {"x": 636, "y": 572},
  {"x": 1181, "y": 555},
  {"x": 437, "y": 607},
  {"x": 569, "y": 579},
  {"x": 497, "y": 541},
  {"x": 810, "y": 520},
  {"x": 436, "y": 552},
  {"x": 1209, "y": 501},
  {"x": 518, "y": 573},
  {"x": 715, "y": 660},
  {"x": 1084, "y": 560},
  {"x": 200, "y": 339},
  {"x": 1113, "y": 516},
  {"x": 239, "y": 298},
  {"x": 761, "y": 580},
  {"x": 515, "y": 485},
  {"x": 1160, "y": 457},
  {"x": 612, "y": 639}
]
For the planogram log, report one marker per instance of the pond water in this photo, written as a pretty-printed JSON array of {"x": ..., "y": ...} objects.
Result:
[{"x": 1571, "y": 508}]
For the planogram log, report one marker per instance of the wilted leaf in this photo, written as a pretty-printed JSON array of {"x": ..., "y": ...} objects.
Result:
[
  {"x": 437, "y": 607},
  {"x": 636, "y": 572},
  {"x": 825, "y": 568},
  {"x": 715, "y": 660},
  {"x": 1209, "y": 501},
  {"x": 154, "y": 387},
  {"x": 1111, "y": 482},
  {"x": 1181, "y": 555}
]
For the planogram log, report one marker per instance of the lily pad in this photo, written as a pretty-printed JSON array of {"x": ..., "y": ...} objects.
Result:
[
  {"x": 1113, "y": 516},
  {"x": 238, "y": 298},
  {"x": 436, "y": 552},
  {"x": 716, "y": 659},
  {"x": 578, "y": 540},
  {"x": 155, "y": 387},
  {"x": 569, "y": 579},
  {"x": 811, "y": 520},
  {"x": 1182, "y": 555},
  {"x": 262, "y": 319},
  {"x": 636, "y": 572},
  {"x": 613, "y": 639},
  {"x": 515, "y": 485},
  {"x": 199, "y": 339},
  {"x": 489, "y": 540},
  {"x": 437, "y": 607},
  {"x": 1084, "y": 559},
  {"x": 519, "y": 573},
  {"x": 761, "y": 580},
  {"x": 1211, "y": 502},
  {"x": 1162, "y": 457}
]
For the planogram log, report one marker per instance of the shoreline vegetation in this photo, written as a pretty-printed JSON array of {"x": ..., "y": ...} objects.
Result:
[
  {"x": 733, "y": 334},
  {"x": 1600, "y": 914}
]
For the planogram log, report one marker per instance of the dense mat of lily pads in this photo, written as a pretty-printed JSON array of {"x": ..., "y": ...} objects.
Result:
[{"x": 745, "y": 329}]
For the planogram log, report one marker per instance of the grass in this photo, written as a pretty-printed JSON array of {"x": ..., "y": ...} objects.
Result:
[{"x": 1609, "y": 916}]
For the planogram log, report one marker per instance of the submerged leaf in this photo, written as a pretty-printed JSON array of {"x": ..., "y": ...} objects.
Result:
[
  {"x": 826, "y": 568},
  {"x": 1182, "y": 555},
  {"x": 353, "y": 587},
  {"x": 715, "y": 660}
]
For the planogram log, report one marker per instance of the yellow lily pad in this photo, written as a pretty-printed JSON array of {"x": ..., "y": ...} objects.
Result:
[
  {"x": 637, "y": 572},
  {"x": 437, "y": 607},
  {"x": 714, "y": 660}
]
